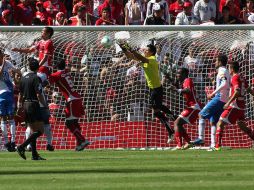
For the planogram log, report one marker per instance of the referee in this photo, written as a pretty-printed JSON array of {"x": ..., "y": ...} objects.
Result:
[
  {"x": 30, "y": 97},
  {"x": 151, "y": 69}
]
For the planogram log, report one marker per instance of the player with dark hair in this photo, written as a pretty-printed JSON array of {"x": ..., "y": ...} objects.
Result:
[
  {"x": 234, "y": 108},
  {"x": 30, "y": 97},
  {"x": 46, "y": 50},
  {"x": 74, "y": 108},
  {"x": 218, "y": 98},
  {"x": 151, "y": 69},
  {"x": 190, "y": 113}
]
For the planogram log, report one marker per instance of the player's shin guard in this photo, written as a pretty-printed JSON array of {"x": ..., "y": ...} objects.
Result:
[
  {"x": 213, "y": 131},
  {"x": 13, "y": 130},
  {"x": 164, "y": 121},
  {"x": 219, "y": 134},
  {"x": 74, "y": 127},
  {"x": 178, "y": 139},
  {"x": 48, "y": 133},
  {"x": 4, "y": 131},
  {"x": 201, "y": 128}
]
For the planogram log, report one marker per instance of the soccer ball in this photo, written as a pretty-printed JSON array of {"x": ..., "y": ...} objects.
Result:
[{"x": 106, "y": 42}]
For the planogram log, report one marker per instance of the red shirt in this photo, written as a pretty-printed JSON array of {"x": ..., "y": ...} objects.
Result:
[
  {"x": 43, "y": 16},
  {"x": 74, "y": 21},
  {"x": 115, "y": 9},
  {"x": 190, "y": 98},
  {"x": 238, "y": 82},
  {"x": 53, "y": 8},
  {"x": 62, "y": 78},
  {"x": 100, "y": 21},
  {"x": 175, "y": 8},
  {"x": 24, "y": 14},
  {"x": 87, "y": 5},
  {"x": 45, "y": 47}
]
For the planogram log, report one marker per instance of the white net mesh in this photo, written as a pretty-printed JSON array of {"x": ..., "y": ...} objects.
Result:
[{"x": 114, "y": 92}]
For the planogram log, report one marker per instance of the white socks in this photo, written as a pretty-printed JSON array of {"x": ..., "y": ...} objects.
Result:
[
  {"x": 13, "y": 130},
  {"x": 213, "y": 131},
  {"x": 4, "y": 131},
  {"x": 201, "y": 128}
]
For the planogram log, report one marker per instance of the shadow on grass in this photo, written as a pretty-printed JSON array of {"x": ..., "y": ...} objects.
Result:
[{"x": 90, "y": 171}]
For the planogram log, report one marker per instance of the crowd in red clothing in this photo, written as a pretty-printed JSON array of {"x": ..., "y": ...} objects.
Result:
[{"x": 125, "y": 12}]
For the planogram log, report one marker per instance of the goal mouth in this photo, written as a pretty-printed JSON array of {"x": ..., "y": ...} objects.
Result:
[{"x": 115, "y": 96}]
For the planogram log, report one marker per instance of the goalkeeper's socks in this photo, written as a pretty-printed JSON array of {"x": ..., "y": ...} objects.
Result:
[
  {"x": 75, "y": 130},
  {"x": 33, "y": 136},
  {"x": 164, "y": 121},
  {"x": 13, "y": 130},
  {"x": 219, "y": 133},
  {"x": 201, "y": 128},
  {"x": 178, "y": 139}
]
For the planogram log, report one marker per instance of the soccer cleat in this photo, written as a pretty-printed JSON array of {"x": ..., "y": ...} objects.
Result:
[
  {"x": 21, "y": 152},
  {"x": 8, "y": 147},
  {"x": 218, "y": 149},
  {"x": 199, "y": 141},
  {"x": 211, "y": 149},
  {"x": 13, "y": 147},
  {"x": 170, "y": 138},
  {"x": 82, "y": 145},
  {"x": 50, "y": 147},
  {"x": 187, "y": 146},
  {"x": 38, "y": 157},
  {"x": 176, "y": 148}
]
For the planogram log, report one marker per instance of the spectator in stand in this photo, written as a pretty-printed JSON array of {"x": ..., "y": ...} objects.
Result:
[
  {"x": 222, "y": 3},
  {"x": 134, "y": 13},
  {"x": 105, "y": 18},
  {"x": 175, "y": 8},
  {"x": 96, "y": 4},
  {"x": 234, "y": 10},
  {"x": 86, "y": 3},
  {"x": 116, "y": 10},
  {"x": 186, "y": 17},
  {"x": 24, "y": 13},
  {"x": 164, "y": 7},
  {"x": 205, "y": 10},
  {"x": 42, "y": 14},
  {"x": 53, "y": 7},
  {"x": 155, "y": 18},
  {"x": 226, "y": 18},
  {"x": 80, "y": 18},
  {"x": 247, "y": 11},
  {"x": 60, "y": 19},
  {"x": 7, "y": 17}
]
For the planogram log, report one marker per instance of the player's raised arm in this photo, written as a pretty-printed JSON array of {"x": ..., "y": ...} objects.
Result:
[{"x": 24, "y": 50}]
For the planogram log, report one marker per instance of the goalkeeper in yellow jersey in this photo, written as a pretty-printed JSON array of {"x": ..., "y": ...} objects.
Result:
[{"x": 151, "y": 69}]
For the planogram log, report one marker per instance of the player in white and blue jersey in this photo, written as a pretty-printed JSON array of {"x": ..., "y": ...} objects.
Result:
[
  {"x": 218, "y": 98},
  {"x": 7, "y": 101}
]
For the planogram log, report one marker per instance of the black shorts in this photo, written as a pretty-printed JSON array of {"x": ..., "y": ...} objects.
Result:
[
  {"x": 45, "y": 115},
  {"x": 156, "y": 97},
  {"x": 32, "y": 112}
]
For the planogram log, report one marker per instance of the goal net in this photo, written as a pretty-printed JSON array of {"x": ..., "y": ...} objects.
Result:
[{"x": 114, "y": 91}]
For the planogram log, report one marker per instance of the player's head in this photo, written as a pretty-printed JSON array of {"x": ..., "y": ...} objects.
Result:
[
  {"x": 182, "y": 73},
  {"x": 81, "y": 12},
  {"x": 47, "y": 33},
  {"x": 221, "y": 60},
  {"x": 61, "y": 64},
  {"x": 234, "y": 67},
  {"x": 149, "y": 50},
  {"x": 33, "y": 64},
  {"x": 105, "y": 13}
]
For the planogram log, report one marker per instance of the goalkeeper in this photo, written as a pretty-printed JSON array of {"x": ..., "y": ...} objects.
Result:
[{"x": 151, "y": 69}]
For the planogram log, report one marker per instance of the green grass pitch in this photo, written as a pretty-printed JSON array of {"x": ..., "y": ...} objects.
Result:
[{"x": 132, "y": 170}]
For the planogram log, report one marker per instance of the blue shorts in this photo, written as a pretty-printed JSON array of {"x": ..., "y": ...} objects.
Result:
[
  {"x": 212, "y": 110},
  {"x": 7, "y": 107}
]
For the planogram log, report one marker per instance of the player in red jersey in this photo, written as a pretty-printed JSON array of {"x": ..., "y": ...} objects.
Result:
[
  {"x": 234, "y": 108},
  {"x": 190, "y": 113},
  {"x": 74, "y": 108},
  {"x": 46, "y": 50}
]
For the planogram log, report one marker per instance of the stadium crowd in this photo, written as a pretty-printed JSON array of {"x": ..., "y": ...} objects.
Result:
[{"x": 125, "y": 12}]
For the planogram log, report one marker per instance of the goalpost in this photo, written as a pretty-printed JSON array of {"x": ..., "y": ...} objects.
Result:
[{"x": 114, "y": 92}]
